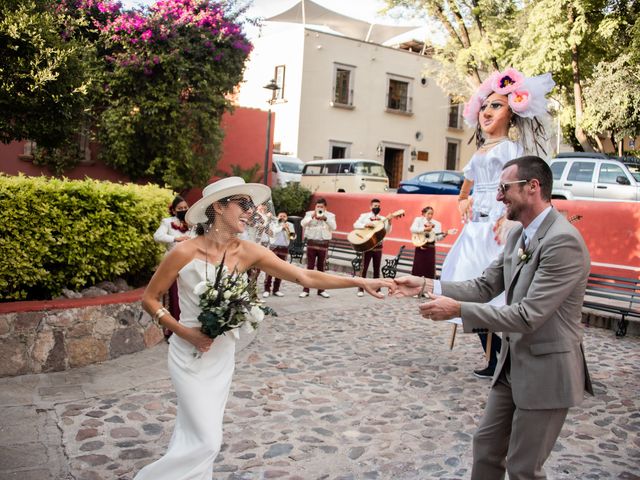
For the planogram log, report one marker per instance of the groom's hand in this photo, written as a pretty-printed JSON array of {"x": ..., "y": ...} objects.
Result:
[
  {"x": 410, "y": 285},
  {"x": 440, "y": 308}
]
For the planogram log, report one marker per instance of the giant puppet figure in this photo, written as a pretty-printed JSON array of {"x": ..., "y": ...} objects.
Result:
[{"x": 507, "y": 105}]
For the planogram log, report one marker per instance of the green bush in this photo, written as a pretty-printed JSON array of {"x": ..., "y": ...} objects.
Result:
[
  {"x": 71, "y": 233},
  {"x": 292, "y": 199}
]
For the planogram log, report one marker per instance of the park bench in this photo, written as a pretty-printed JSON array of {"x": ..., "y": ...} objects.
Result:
[
  {"x": 296, "y": 250},
  {"x": 613, "y": 294},
  {"x": 341, "y": 249}
]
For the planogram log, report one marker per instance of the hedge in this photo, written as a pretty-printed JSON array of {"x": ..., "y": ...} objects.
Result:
[
  {"x": 293, "y": 199},
  {"x": 74, "y": 233}
]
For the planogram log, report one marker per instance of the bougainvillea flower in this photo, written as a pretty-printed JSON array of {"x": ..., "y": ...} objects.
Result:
[
  {"x": 519, "y": 100},
  {"x": 506, "y": 82}
]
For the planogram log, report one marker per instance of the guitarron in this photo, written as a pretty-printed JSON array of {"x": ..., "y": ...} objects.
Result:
[{"x": 364, "y": 239}]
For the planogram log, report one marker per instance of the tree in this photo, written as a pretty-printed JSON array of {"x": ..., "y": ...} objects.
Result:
[
  {"x": 613, "y": 99},
  {"x": 150, "y": 85},
  {"x": 478, "y": 32},
  {"x": 166, "y": 73},
  {"x": 561, "y": 38},
  {"x": 43, "y": 85}
]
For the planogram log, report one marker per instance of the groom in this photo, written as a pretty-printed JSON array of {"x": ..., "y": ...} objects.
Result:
[{"x": 541, "y": 371}]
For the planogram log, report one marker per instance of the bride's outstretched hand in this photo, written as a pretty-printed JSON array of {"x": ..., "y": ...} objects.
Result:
[
  {"x": 407, "y": 286},
  {"x": 373, "y": 285}
]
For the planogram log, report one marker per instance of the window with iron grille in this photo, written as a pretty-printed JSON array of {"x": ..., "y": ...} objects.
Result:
[
  {"x": 455, "y": 114},
  {"x": 343, "y": 85},
  {"x": 398, "y": 95}
]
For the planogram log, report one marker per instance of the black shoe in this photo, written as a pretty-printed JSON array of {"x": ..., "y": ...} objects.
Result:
[{"x": 485, "y": 372}]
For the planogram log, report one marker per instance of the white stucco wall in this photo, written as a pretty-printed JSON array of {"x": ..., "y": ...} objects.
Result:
[
  {"x": 306, "y": 122},
  {"x": 369, "y": 124}
]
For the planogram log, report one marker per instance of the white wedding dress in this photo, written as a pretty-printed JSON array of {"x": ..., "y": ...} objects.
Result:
[
  {"x": 202, "y": 385},
  {"x": 475, "y": 248}
]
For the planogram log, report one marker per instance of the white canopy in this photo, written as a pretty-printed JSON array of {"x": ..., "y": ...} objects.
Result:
[{"x": 308, "y": 12}]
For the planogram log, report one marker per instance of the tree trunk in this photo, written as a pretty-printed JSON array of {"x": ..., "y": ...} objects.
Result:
[{"x": 577, "y": 90}]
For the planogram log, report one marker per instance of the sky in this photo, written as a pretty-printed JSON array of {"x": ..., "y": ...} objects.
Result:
[{"x": 367, "y": 10}]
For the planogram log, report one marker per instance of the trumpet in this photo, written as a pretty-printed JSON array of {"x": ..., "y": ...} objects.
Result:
[{"x": 292, "y": 235}]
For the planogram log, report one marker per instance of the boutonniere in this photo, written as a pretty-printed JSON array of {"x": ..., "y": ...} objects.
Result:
[{"x": 523, "y": 256}]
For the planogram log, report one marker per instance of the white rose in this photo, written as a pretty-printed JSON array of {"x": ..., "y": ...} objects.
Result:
[
  {"x": 227, "y": 295},
  {"x": 200, "y": 288},
  {"x": 257, "y": 314}
]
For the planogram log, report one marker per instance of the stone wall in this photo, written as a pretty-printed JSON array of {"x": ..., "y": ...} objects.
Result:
[{"x": 49, "y": 340}]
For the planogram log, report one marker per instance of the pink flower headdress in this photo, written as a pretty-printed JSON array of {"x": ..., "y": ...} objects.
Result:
[{"x": 526, "y": 95}]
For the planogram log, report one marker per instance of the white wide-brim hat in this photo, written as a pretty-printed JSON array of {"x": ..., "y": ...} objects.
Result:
[{"x": 225, "y": 188}]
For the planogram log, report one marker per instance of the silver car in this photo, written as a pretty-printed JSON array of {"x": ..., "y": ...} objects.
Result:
[{"x": 593, "y": 176}]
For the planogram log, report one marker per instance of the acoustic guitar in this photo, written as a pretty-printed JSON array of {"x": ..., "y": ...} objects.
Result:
[
  {"x": 364, "y": 239},
  {"x": 422, "y": 238}
]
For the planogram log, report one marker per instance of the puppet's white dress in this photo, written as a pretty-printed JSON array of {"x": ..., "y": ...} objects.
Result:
[{"x": 475, "y": 248}]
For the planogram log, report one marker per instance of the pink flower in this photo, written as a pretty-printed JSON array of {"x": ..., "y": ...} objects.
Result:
[
  {"x": 486, "y": 88},
  {"x": 519, "y": 100},
  {"x": 506, "y": 82},
  {"x": 146, "y": 35},
  {"x": 472, "y": 109}
]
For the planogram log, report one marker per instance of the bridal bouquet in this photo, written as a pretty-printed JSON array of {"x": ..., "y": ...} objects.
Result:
[{"x": 229, "y": 303}]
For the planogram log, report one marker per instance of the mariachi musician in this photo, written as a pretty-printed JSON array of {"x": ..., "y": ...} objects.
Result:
[
  {"x": 283, "y": 233},
  {"x": 366, "y": 221},
  {"x": 427, "y": 230}
]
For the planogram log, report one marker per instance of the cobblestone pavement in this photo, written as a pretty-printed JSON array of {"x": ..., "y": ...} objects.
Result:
[{"x": 345, "y": 388}]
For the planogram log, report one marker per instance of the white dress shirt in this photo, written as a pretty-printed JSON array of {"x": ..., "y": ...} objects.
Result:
[
  {"x": 318, "y": 229},
  {"x": 167, "y": 234},
  {"x": 280, "y": 236}
]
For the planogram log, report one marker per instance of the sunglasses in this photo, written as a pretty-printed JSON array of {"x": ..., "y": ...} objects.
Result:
[
  {"x": 504, "y": 187},
  {"x": 244, "y": 203}
]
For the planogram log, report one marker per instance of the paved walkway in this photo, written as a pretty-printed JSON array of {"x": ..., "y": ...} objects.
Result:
[{"x": 346, "y": 388}]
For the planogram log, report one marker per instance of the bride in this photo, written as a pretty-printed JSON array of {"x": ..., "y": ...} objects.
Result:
[{"x": 202, "y": 381}]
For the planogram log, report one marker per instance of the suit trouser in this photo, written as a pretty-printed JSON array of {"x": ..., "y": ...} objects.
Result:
[
  {"x": 524, "y": 438},
  {"x": 316, "y": 257},
  {"x": 281, "y": 253}
]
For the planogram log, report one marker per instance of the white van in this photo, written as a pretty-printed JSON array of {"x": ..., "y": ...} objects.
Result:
[
  {"x": 285, "y": 170},
  {"x": 345, "y": 175}
]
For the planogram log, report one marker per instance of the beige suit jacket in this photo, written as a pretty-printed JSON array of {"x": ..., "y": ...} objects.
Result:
[{"x": 541, "y": 322}]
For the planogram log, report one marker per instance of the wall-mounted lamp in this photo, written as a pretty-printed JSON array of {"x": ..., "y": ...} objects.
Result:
[
  {"x": 380, "y": 149},
  {"x": 414, "y": 154}
]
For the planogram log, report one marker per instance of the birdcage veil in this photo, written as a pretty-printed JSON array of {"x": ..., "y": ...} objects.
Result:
[
  {"x": 256, "y": 217},
  {"x": 260, "y": 228}
]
